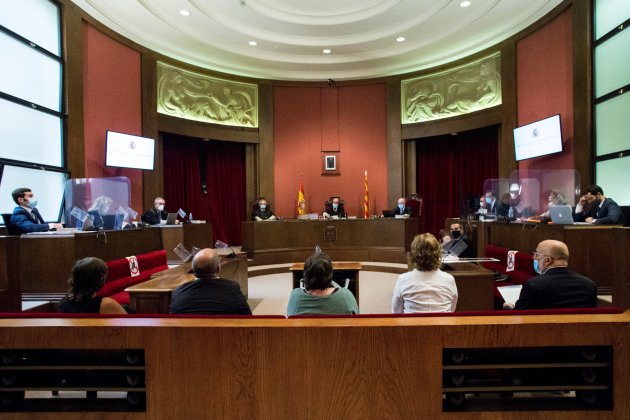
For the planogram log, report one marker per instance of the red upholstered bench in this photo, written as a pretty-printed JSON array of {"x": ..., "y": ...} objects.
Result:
[
  {"x": 523, "y": 267},
  {"x": 119, "y": 275}
]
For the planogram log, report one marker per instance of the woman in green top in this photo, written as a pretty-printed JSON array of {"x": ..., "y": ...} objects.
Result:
[{"x": 320, "y": 296}]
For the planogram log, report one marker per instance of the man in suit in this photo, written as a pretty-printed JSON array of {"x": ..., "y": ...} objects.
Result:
[
  {"x": 401, "y": 209},
  {"x": 555, "y": 286},
  {"x": 491, "y": 202},
  {"x": 26, "y": 217},
  {"x": 263, "y": 212},
  {"x": 157, "y": 215},
  {"x": 458, "y": 243},
  {"x": 209, "y": 294},
  {"x": 603, "y": 210},
  {"x": 335, "y": 208}
]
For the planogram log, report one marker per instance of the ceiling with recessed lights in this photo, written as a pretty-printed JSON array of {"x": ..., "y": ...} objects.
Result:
[{"x": 317, "y": 39}]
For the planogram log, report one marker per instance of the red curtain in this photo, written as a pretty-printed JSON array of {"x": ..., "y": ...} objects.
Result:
[
  {"x": 451, "y": 170},
  {"x": 188, "y": 163}
]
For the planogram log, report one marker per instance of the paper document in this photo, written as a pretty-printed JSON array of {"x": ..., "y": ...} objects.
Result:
[{"x": 510, "y": 294}]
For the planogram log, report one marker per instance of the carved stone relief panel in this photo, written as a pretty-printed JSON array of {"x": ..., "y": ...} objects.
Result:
[
  {"x": 460, "y": 90},
  {"x": 194, "y": 96}
]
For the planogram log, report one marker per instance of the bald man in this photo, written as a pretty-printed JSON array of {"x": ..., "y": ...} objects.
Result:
[
  {"x": 556, "y": 286},
  {"x": 209, "y": 294}
]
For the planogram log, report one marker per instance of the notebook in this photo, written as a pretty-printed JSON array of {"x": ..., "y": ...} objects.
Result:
[{"x": 563, "y": 215}]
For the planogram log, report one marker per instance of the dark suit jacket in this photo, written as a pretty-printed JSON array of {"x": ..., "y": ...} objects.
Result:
[
  {"x": 339, "y": 212},
  {"x": 558, "y": 288},
  {"x": 609, "y": 213},
  {"x": 26, "y": 223},
  {"x": 153, "y": 216},
  {"x": 406, "y": 210},
  {"x": 262, "y": 214}
]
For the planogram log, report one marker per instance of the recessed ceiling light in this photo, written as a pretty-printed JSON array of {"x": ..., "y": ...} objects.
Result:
[
  {"x": 400, "y": 39},
  {"x": 184, "y": 12},
  {"x": 465, "y": 4},
  {"x": 253, "y": 43},
  {"x": 327, "y": 51}
]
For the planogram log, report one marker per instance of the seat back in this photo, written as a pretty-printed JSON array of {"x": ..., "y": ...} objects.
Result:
[
  {"x": 11, "y": 229},
  {"x": 414, "y": 201}
]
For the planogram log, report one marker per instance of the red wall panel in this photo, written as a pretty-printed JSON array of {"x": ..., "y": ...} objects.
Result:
[
  {"x": 544, "y": 62},
  {"x": 112, "y": 101},
  {"x": 298, "y": 132}
]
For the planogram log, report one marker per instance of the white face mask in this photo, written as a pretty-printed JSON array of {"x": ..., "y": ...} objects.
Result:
[{"x": 160, "y": 207}]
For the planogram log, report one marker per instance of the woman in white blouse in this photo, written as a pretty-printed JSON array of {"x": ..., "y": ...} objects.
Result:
[{"x": 425, "y": 288}]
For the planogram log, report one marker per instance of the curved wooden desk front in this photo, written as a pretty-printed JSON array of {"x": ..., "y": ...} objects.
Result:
[{"x": 293, "y": 240}]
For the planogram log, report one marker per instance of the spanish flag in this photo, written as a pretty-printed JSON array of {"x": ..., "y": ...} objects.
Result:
[
  {"x": 301, "y": 203},
  {"x": 366, "y": 200}
]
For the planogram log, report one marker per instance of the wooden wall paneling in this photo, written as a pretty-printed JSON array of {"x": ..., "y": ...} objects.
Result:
[
  {"x": 10, "y": 288},
  {"x": 203, "y": 130},
  {"x": 509, "y": 108},
  {"x": 264, "y": 171},
  {"x": 410, "y": 171},
  {"x": 73, "y": 89},
  {"x": 583, "y": 147},
  {"x": 621, "y": 269},
  {"x": 396, "y": 167},
  {"x": 152, "y": 181}
]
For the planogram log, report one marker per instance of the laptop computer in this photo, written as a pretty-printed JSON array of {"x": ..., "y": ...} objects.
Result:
[
  {"x": 388, "y": 213},
  {"x": 563, "y": 215},
  {"x": 171, "y": 218}
]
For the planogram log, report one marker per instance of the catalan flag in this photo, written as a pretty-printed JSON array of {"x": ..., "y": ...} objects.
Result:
[
  {"x": 366, "y": 200},
  {"x": 301, "y": 203}
]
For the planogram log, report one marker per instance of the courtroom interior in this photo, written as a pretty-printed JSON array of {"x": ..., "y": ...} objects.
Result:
[{"x": 282, "y": 209}]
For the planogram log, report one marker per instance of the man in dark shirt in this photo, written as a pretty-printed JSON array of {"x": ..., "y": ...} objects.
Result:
[
  {"x": 556, "y": 286},
  {"x": 402, "y": 209},
  {"x": 157, "y": 215},
  {"x": 263, "y": 212},
  {"x": 602, "y": 210},
  {"x": 209, "y": 294}
]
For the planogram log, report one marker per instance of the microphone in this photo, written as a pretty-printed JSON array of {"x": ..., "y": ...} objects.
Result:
[{"x": 222, "y": 245}]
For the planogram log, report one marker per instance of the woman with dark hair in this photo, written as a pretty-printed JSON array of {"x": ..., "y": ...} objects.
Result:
[
  {"x": 320, "y": 295},
  {"x": 88, "y": 276},
  {"x": 425, "y": 288}
]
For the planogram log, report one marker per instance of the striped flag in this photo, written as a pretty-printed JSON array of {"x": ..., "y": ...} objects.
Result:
[
  {"x": 366, "y": 200},
  {"x": 301, "y": 203}
]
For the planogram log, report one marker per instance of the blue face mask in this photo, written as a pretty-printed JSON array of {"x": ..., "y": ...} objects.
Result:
[
  {"x": 32, "y": 203},
  {"x": 488, "y": 200},
  {"x": 263, "y": 206},
  {"x": 401, "y": 206},
  {"x": 335, "y": 206},
  {"x": 537, "y": 267}
]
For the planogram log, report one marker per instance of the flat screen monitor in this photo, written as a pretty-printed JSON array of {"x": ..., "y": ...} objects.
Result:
[
  {"x": 539, "y": 138},
  {"x": 129, "y": 151},
  {"x": 47, "y": 187}
]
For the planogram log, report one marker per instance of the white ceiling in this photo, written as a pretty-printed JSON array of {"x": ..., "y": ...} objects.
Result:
[{"x": 291, "y": 34}]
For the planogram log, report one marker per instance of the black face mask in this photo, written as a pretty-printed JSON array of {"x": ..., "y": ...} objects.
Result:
[{"x": 456, "y": 233}]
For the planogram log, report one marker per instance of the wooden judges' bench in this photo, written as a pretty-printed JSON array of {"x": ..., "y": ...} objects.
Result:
[{"x": 282, "y": 241}]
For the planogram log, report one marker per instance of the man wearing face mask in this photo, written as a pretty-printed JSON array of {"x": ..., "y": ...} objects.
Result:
[
  {"x": 401, "y": 209},
  {"x": 555, "y": 286},
  {"x": 263, "y": 212},
  {"x": 334, "y": 209},
  {"x": 157, "y": 214},
  {"x": 25, "y": 216},
  {"x": 457, "y": 243},
  {"x": 601, "y": 210}
]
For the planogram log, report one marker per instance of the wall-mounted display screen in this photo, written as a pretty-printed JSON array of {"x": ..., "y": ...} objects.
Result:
[
  {"x": 129, "y": 151},
  {"x": 539, "y": 138}
]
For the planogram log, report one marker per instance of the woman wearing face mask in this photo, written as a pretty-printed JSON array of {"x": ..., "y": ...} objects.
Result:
[{"x": 155, "y": 215}]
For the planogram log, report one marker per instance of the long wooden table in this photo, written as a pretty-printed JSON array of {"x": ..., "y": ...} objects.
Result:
[
  {"x": 284, "y": 241},
  {"x": 46, "y": 260},
  {"x": 154, "y": 296}
]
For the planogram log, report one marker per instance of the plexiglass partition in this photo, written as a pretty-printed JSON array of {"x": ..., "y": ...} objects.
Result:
[{"x": 98, "y": 203}]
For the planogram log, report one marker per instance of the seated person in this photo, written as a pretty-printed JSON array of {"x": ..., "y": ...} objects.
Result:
[
  {"x": 100, "y": 207},
  {"x": 426, "y": 288},
  {"x": 402, "y": 209},
  {"x": 555, "y": 286},
  {"x": 26, "y": 217},
  {"x": 555, "y": 198},
  {"x": 491, "y": 202},
  {"x": 483, "y": 206},
  {"x": 320, "y": 294},
  {"x": 209, "y": 294},
  {"x": 157, "y": 215},
  {"x": 334, "y": 208},
  {"x": 88, "y": 276},
  {"x": 504, "y": 208},
  {"x": 263, "y": 211},
  {"x": 519, "y": 205},
  {"x": 603, "y": 210},
  {"x": 458, "y": 243}
]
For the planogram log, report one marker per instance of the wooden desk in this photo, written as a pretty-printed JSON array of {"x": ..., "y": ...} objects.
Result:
[
  {"x": 46, "y": 260},
  {"x": 341, "y": 272},
  {"x": 154, "y": 296},
  {"x": 283, "y": 241},
  {"x": 475, "y": 286},
  {"x": 189, "y": 234}
]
